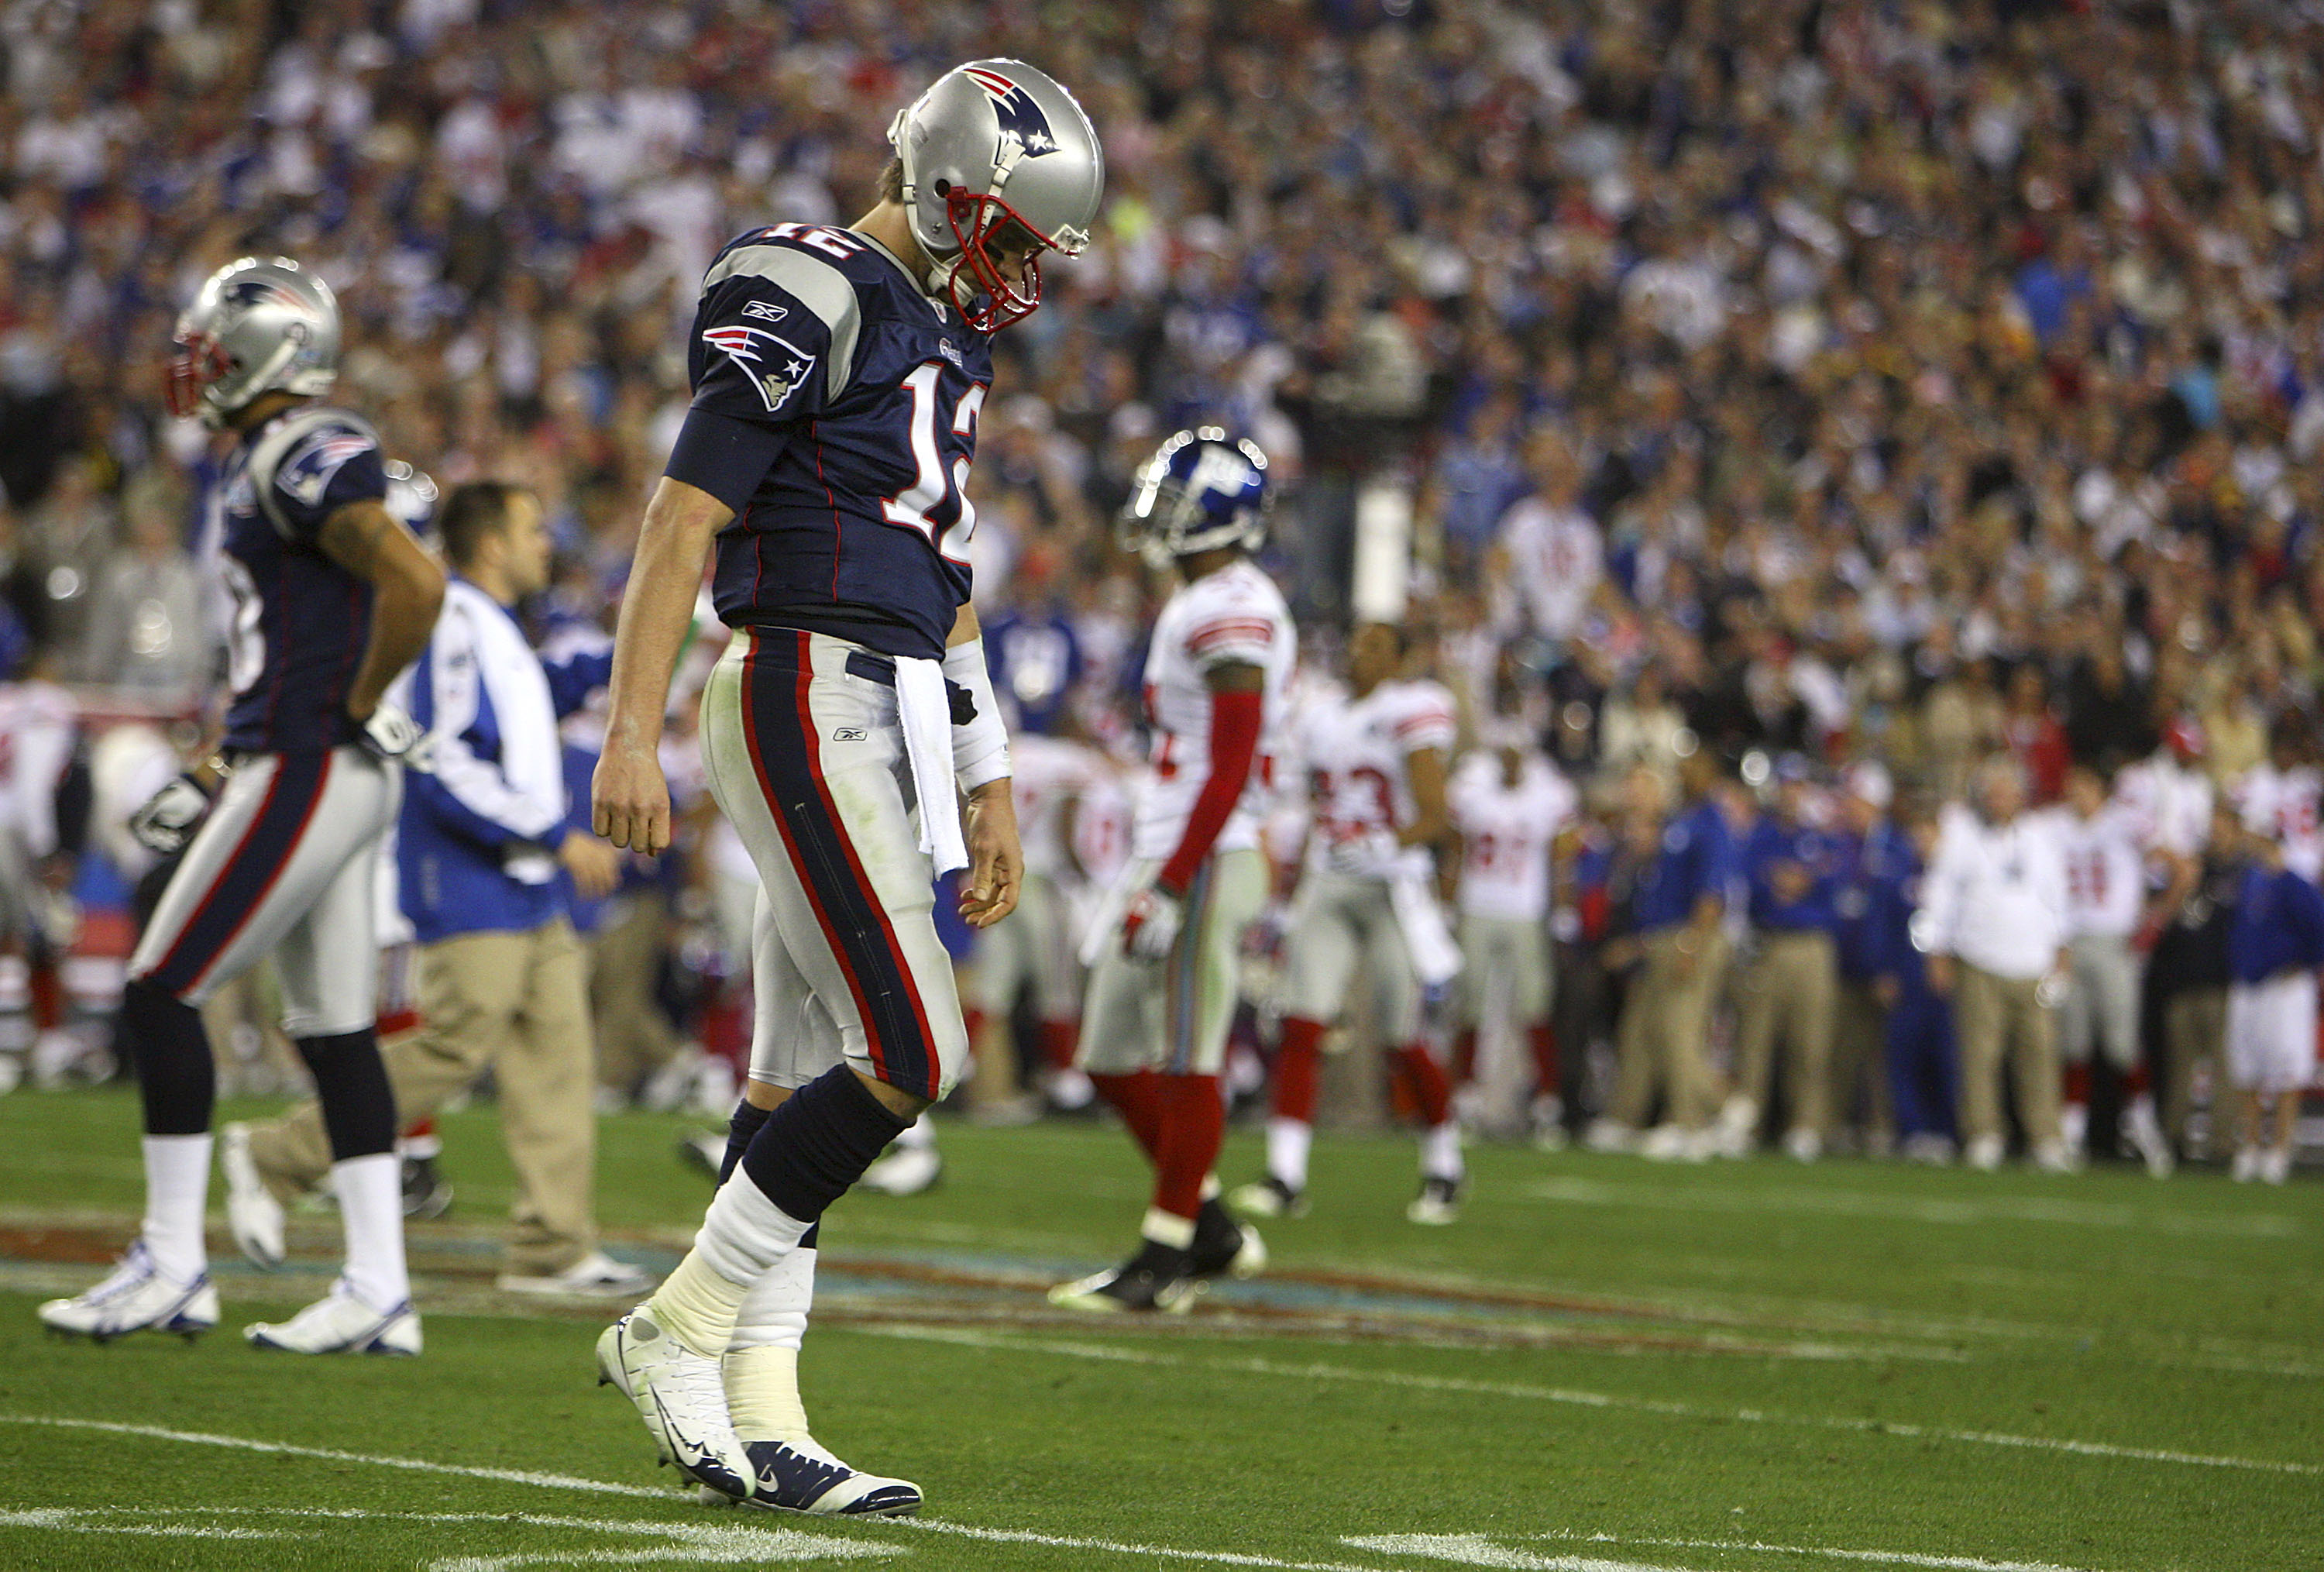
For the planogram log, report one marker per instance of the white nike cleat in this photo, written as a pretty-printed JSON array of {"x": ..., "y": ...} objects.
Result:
[
  {"x": 137, "y": 1298},
  {"x": 340, "y": 1323},
  {"x": 1268, "y": 1197},
  {"x": 2146, "y": 1138},
  {"x": 2276, "y": 1165},
  {"x": 251, "y": 1212},
  {"x": 1984, "y": 1153},
  {"x": 2246, "y": 1165},
  {"x": 595, "y": 1275},
  {"x": 906, "y": 1171},
  {"x": 801, "y": 1477},
  {"x": 1438, "y": 1203},
  {"x": 681, "y": 1397},
  {"x": 1805, "y": 1145}
]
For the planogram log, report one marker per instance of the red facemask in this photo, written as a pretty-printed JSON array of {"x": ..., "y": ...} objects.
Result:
[
  {"x": 975, "y": 221},
  {"x": 198, "y": 361}
]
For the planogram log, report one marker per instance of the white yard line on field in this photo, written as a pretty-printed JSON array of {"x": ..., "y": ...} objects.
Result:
[
  {"x": 1915, "y": 1208},
  {"x": 713, "y": 1553},
  {"x": 1757, "y": 1548},
  {"x": 1595, "y": 1399}
]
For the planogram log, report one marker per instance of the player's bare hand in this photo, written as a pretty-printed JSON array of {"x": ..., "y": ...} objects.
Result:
[
  {"x": 629, "y": 800},
  {"x": 996, "y": 862},
  {"x": 594, "y": 865}
]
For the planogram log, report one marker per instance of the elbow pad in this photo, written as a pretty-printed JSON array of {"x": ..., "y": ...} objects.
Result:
[{"x": 980, "y": 743}]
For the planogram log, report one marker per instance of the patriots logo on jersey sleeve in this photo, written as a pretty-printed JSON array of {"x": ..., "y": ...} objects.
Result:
[
  {"x": 775, "y": 366},
  {"x": 306, "y": 475},
  {"x": 1024, "y": 130}
]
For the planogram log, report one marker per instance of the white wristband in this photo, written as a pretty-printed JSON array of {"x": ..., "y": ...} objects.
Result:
[{"x": 980, "y": 747}]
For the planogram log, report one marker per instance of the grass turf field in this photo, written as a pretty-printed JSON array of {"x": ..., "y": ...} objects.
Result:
[{"x": 1606, "y": 1366}]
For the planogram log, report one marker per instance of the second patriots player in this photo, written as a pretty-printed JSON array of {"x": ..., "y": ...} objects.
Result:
[
  {"x": 332, "y": 598},
  {"x": 837, "y": 374},
  {"x": 1163, "y": 973}
]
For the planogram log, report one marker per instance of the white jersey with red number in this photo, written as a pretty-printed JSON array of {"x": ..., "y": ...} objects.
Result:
[
  {"x": 1354, "y": 750},
  {"x": 1233, "y": 616},
  {"x": 2284, "y": 804},
  {"x": 38, "y": 721},
  {"x": 2169, "y": 804},
  {"x": 1048, "y": 776},
  {"x": 1506, "y": 833},
  {"x": 2105, "y": 871}
]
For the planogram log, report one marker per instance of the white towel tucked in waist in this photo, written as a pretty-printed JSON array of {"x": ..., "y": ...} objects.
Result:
[{"x": 926, "y": 715}]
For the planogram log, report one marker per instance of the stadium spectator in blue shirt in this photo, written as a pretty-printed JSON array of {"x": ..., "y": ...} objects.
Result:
[
  {"x": 485, "y": 834},
  {"x": 1791, "y": 869},
  {"x": 1678, "y": 908}
]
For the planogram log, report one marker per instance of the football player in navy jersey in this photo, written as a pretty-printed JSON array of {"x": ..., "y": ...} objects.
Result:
[
  {"x": 837, "y": 378},
  {"x": 331, "y": 598}
]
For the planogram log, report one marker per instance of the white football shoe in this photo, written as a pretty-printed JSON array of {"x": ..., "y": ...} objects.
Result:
[
  {"x": 2276, "y": 1165},
  {"x": 1804, "y": 1144},
  {"x": 595, "y": 1275},
  {"x": 1985, "y": 1153},
  {"x": 2246, "y": 1165},
  {"x": 2145, "y": 1131},
  {"x": 802, "y": 1477},
  {"x": 906, "y": 1171},
  {"x": 136, "y": 1297},
  {"x": 340, "y": 1323},
  {"x": 681, "y": 1396},
  {"x": 251, "y": 1212},
  {"x": 1438, "y": 1203}
]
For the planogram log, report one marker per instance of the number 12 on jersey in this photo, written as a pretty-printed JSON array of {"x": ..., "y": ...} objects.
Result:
[{"x": 930, "y": 485}]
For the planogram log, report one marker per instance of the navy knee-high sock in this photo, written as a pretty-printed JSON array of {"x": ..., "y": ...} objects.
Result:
[
  {"x": 358, "y": 1107},
  {"x": 818, "y": 1143},
  {"x": 176, "y": 1077}
]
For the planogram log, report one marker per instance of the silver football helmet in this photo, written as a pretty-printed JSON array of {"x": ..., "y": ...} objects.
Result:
[
  {"x": 992, "y": 143},
  {"x": 256, "y": 325}
]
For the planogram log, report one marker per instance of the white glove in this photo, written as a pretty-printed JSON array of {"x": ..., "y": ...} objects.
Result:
[
  {"x": 391, "y": 734},
  {"x": 1367, "y": 854},
  {"x": 1149, "y": 924},
  {"x": 169, "y": 817}
]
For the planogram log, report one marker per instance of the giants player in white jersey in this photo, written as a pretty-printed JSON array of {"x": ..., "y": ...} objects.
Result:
[
  {"x": 1164, "y": 971},
  {"x": 1509, "y": 802},
  {"x": 1376, "y": 767},
  {"x": 2283, "y": 799},
  {"x": 39, "y": 723},
  {"x": 2106, "y": 908}
]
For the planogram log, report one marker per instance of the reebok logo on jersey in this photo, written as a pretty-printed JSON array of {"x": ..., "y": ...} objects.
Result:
[
  {"x": 765, "y": 311},
  {"x": 848, "y": 733},
  {"x": 787, "y": 363}
]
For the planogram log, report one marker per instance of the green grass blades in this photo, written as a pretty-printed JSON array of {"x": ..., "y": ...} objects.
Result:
[{"x": 1605, "y": 1366}]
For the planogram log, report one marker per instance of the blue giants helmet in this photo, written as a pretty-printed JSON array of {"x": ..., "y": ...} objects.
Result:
[{"x": 1201, "y": 490}]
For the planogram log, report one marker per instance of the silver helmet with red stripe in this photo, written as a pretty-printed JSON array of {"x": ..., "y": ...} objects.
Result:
[
  {"x": 256, "y": 325},
  {"x": 993, "y": 147}
]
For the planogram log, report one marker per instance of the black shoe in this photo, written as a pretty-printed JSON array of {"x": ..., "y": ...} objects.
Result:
[
  {"x": 1222, "y": 1246},
  {"x": 1157, "y": 1277},
  {"x": 424, "y": 1192}
]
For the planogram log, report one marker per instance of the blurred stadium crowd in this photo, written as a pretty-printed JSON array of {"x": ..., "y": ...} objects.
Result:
[{"x": 1780, "y": 388}]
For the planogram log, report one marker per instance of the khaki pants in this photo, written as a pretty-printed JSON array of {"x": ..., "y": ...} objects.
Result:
[
  {"x": 2195, "y": 1029},
  {"x": 634, "y": 1037},
  {"x": 1664, "y": 1036},
  {"x": 1998, "y": 1016},
  {"x": 1859, "y": 1065},
  {"x": 1788, "y": 990},
  {"x": 516, "y": 1003}
]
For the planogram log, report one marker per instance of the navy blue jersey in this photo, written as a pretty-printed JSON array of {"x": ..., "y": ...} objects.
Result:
[
  {"x": 818, "y": 355},
  {"x": 300, "y": 620}
]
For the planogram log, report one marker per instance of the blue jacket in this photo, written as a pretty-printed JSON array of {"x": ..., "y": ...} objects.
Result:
[
  {"x": 475, "y": 846},
  {"x": 1863, "y": 862},
  {"x": 1697, "y": 858},
  {"x": 1892, "y": 895},
  {"x": 1773, "y": 842},
  {"x": 2278, "y": 927}
]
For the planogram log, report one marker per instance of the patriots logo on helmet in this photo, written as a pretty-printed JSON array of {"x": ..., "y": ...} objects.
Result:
[
  {"x": 259, "y": 291},
  {"x": 1024, "y": 130},
  {"x": 787, "y": 364}
]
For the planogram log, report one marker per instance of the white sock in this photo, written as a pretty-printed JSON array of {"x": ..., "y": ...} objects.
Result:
[
  {"x": 371, "y": 1213},
  {"x": 1440, "y": 1153},
  {"x": 1211, "y": 1185},
  {"x": 761, "y": 1362},
  {"x": 177, "y": 1188},
  {"x": 1287, "y": 1141},
  {"x": 420, "y": 1146},
  {"x": 742, "y": 1236},
  {"x": 919, "y": 1136}
]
